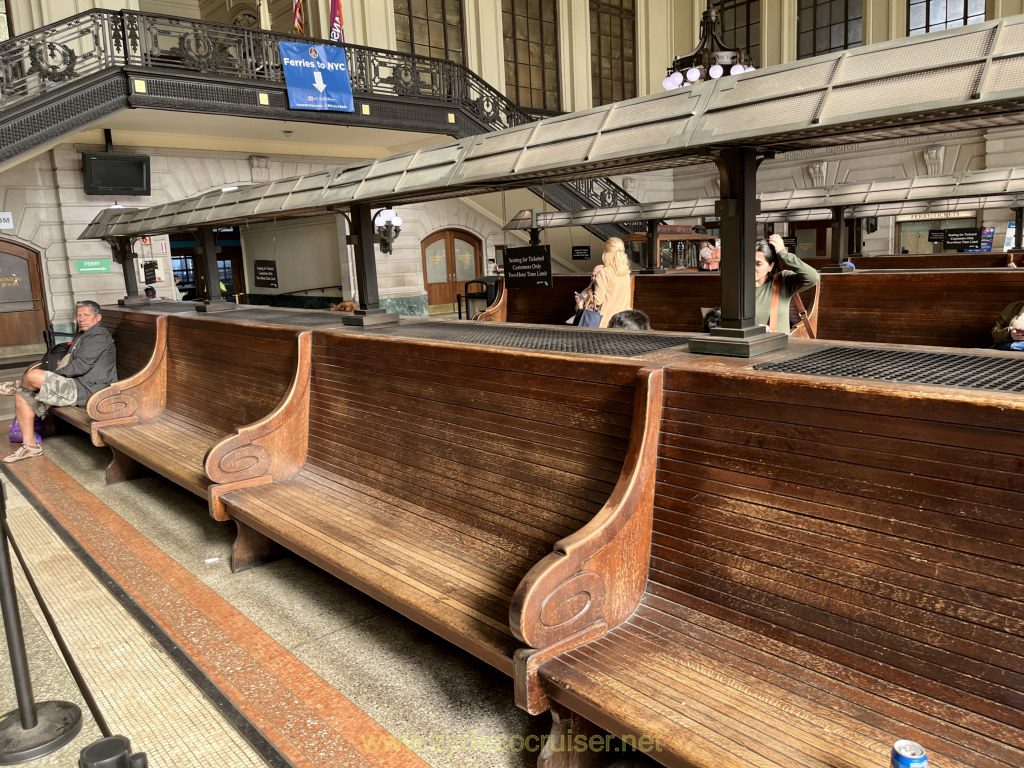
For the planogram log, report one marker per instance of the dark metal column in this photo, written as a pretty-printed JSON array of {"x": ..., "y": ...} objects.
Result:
[
  {"x": 208, "y": 264},
  {"x": 738, "y": 335},
  {"x": 1018, "y": 230},
  {"x": 653, "y": 266},
  {"x": 121, "y": 247},
  {"x": 838, "y": 241},
  {"x": 369, "y": 312}
]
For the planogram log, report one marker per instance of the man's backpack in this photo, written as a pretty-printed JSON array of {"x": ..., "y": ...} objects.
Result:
[{"x": 54, "y": 355}]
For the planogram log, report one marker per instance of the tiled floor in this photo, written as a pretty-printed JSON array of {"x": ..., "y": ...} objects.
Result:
[{"x": 312, "y": 672}]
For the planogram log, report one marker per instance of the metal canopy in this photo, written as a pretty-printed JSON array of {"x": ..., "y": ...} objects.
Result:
[
  {"x": 970, "y": 77},
  {"x": 1000, "y": 188}
]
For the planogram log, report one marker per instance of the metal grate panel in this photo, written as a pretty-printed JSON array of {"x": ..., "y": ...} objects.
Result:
[
  {"x": 284, "y": 317},
  {"x": 902, "y": 91},
  {"x": 995, "y": 374},
  {"x": 611, "y": 142},
  {"x": 575, "y": 340}
]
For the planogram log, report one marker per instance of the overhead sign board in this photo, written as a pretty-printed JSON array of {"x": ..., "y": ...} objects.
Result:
[
  {"x": 528, "y": 267},
  {"x": 266, "y": 273},
  {"x": 962, "y": 239},
  {"x": 316, "y": 77},
  {"x": 581, "y": 253},
  {"x": 92, "y": 265}
]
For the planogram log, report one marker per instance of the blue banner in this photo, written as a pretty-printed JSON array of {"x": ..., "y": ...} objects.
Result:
[{"x": 316, "y": 77}]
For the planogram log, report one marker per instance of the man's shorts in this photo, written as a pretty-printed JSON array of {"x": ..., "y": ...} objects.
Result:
[{"x": 56, "y": 390}]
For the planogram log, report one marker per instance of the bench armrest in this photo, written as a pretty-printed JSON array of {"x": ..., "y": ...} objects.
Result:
[
  {"x": 272, "y": 448},
  {"x": 142, "y": 396},
  {"x": 498, "y": 311},
  {"x": 595, "y": 577}
]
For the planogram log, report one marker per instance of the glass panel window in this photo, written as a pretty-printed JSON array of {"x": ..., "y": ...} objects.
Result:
[
  {"x": 465, "y": 260},
  {"x": 531, "y": 55},
  {"x": 437, "y": 262},
  {"x": 931, "y": 15},
  {"x": 430, "y": 28},
  {"x": 824, "y": 26},
  {"x": 612, "y": 50},
  {"x": 741, "y": 27}
]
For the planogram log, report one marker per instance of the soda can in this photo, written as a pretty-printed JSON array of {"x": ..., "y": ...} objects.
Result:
[{"x": 908, "y": 754}]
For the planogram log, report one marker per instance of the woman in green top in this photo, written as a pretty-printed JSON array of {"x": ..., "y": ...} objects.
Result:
[{"x": 794, "y": 276}]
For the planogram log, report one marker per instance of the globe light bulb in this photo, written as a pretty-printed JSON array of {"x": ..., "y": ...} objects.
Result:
[
  {"x": 668, "y": 84},
  {"x": 715, "y": 71},
  {"x": 737, "y": 69},
  {"x": 397, "y": 221},
  {"x": 677, "y": 78},
  {"x": 751, "y": 69},
  {"x": 693, "y": 74}
]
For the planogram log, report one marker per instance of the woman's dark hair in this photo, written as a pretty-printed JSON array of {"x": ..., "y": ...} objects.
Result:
[{"x": 764, "y": 247}]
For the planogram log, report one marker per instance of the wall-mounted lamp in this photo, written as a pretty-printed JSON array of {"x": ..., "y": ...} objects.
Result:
[{"x": 388, "y": 226}]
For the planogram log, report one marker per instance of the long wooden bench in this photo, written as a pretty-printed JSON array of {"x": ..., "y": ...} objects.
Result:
[
  {"x": 949, "y": 308},
  {"x": 835, "y": 565},
  {"x": 135, "y": 337},
  {"x": 434, "y": 476},
  {"x": 930, "y": 261},
  {"x": 209, "y": 377}
]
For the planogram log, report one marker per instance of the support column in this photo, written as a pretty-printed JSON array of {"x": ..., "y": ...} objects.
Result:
[
  {"x": 838, "y": 241},
  {"x": 121, "y": 247},
  {"x": 1018, "y": 230},
  {"x": 369, "y": 312},
  {"x": 208, "y": 266},
  {"x": 653, "y": 255},
  {"x": 738, "y": 335}
]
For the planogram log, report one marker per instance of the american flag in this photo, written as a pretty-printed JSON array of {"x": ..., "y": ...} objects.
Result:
[{"x": 297, "y": 16}]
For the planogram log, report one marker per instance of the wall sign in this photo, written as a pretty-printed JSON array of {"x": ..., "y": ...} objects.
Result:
[
  {"x": 92, "y": 265},
  {"x": 528, "y": 267},
  {"x": 961, "y": 239},
  {"x": 6, "y": 220},
  {"x": 936, "y": 236},
  {"x": 581, "y": 253},
  {"x": 316, "y": 77},
  {"x": 266, "y": 273},
  {"x": 15, "y": 284}
]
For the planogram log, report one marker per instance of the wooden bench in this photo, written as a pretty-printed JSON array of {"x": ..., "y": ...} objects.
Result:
[
  {"x": 835, "y": 565},
  {"x": 434, "y": 476},
  {"x": 135, "y": 336},
  {"x": 209, "y": 377},
  {"x": 951, "y": 308},
  {"x": 930, "y": 261}
]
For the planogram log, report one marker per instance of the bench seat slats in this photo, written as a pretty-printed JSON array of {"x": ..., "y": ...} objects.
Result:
[
  {"x": 169, "y": 445},
  {"x": 414, "y": 559}
]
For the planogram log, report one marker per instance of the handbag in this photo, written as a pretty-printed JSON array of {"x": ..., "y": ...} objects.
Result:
[
  {"x": 807, "y": 328},
  {"x": 587, "y": 316},
  {"x": 15, "y": 435}
]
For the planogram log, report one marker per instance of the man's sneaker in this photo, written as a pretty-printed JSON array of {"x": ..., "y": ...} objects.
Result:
[
  {"x": 25, "y": 452},
  {"x": 8, "y": 387}
]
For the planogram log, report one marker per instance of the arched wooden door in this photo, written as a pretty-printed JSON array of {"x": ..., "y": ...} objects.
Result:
[
  {"x": 22, "y": 299},
  {"x": 450, "y": 258}
]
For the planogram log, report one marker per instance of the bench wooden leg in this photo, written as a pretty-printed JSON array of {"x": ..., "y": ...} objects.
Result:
[
  {"x": 252, "y": 548},
  {"x": 123, "y": 467},
  {"x": 569, "y": 743}
]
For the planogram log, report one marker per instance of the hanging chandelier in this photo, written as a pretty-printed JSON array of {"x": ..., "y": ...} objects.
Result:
[{"x": 710, "y": 60}]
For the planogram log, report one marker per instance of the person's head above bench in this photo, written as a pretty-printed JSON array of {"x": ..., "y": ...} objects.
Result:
[{"x": 633, "y": 319}]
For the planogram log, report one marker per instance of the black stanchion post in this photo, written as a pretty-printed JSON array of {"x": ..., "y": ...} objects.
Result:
[
  {"x": 32, "y": 730},
  {"x": 111, "y": 752}
]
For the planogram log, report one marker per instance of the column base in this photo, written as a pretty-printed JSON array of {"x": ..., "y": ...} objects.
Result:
[
  {"x": 754, "y": 346},
  {"x": 133, "y": 301},
  {"x": 216, "y": 306},
  {"x": 377, "y": 318},
  {"x": 832, "y": 268}
]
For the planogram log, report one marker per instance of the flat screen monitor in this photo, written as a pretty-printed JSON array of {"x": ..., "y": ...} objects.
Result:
[{"x": 111, "y": 173}]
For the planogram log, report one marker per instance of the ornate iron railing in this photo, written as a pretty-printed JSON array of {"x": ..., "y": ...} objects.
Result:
[{"x": 92, "y": 42}]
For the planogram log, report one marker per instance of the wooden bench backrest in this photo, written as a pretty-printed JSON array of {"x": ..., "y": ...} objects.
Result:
[
  {"x": 134, "y": 336},
  {"x": 955, "y": 309},
  {"x": 523, "y": 445},
  {"x": 546, "y": 306},
  {"x": 224, "y": 374},
  {"x": 877, "y": 528},
  {"x": 924, "y": 261},
  {"x": 674, "y": 301}
]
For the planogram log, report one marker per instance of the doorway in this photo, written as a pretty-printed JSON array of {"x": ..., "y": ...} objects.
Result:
[
  {"x": 185, "y": 261},
  {"x": 450, "y": 258},
  {"x": 22, "y": 301}
]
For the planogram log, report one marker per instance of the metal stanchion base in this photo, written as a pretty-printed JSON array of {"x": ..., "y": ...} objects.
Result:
[{"x": 58, "y": 724}]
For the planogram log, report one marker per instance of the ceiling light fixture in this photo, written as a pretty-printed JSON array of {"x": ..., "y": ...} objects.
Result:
[{"x": 710, "y": 60}]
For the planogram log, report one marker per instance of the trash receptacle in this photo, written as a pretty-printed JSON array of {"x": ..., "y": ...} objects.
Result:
[{"x": 481, "y": 289}]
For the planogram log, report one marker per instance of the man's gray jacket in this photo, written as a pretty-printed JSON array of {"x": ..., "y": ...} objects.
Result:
[{"x": 93, "y": 363}]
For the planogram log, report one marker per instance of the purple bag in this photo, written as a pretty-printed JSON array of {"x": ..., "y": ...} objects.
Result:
[{"x": 15, "y": 435}]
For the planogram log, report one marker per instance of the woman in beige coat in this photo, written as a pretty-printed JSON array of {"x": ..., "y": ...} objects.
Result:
[{"x": 612, "y": 287}]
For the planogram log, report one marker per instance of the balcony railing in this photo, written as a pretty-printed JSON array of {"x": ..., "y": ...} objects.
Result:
[{"x": 44, "y": 61}]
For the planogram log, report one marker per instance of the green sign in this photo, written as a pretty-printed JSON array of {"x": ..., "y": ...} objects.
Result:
[{"x": 92, "y": 265}]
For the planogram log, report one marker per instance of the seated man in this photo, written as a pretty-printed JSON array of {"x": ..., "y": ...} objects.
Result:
[
  {"x": 1008, "y": 332},
  {"x": 89, "y": 366}
]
